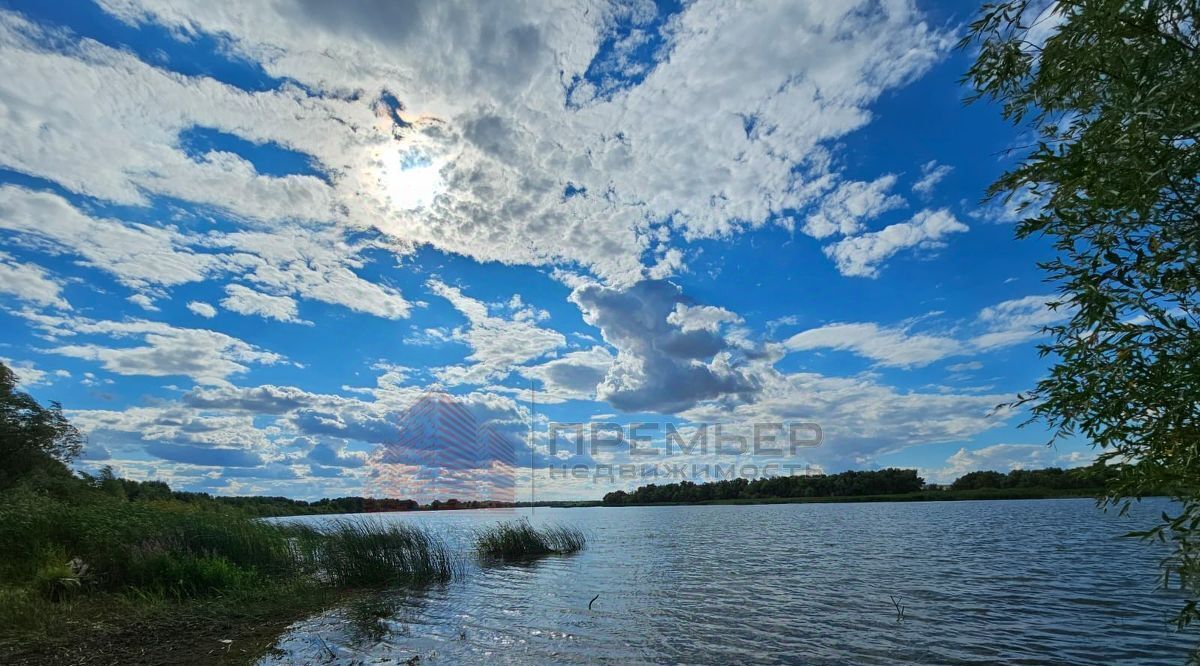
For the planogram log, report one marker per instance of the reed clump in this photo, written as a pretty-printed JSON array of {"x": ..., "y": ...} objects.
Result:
[
  {"x": 363, "y": 552},
  {"x": 516, "y": 541}
]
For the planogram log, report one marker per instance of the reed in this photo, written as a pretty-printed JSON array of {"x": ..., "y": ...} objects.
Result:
[
  {"x": 515, "y": 541},
  {"x": 363, "y": 552}
]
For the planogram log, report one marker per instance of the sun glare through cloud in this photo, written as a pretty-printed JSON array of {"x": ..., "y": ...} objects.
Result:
[{"x": 410, "y": 181}]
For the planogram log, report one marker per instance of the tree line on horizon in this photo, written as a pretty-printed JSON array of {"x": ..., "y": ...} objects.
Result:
[{"x": 890, "y": 481}]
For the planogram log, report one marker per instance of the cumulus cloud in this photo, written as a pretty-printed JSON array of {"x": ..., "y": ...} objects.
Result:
[
  {"x": 659, "y": 366},
  {"x": 30, "y": 283},
  {"x": 202, "y": 309},
  {"x": 205, "y": 456},
  {"x": 328, "y": 455},
  {"x": 244, "y": 300},
  {"x": 859, "y": 417},
  {"x": 861, "y": 256},
  {"x": 572, "y": 376},
  {"x": 315, "y": 263},
  {"x": 497, "y": 344},
  {"x": 28, "y": 375},
  {"x": 847, "y": 207},
  {"x": 265, "y": 399},
  {"x": 701, "y": 317}
]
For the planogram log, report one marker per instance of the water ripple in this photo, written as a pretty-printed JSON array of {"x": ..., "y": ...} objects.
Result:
[{"x": 1019, "y": 582}]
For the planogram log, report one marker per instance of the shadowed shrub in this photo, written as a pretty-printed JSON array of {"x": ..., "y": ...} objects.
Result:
[{"x": 521, "y": 541}]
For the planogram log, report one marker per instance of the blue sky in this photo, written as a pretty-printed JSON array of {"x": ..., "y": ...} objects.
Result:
[{"x": 237, "y": 240}]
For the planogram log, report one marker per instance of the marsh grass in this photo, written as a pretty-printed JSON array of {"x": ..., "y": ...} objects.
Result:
[
  {"x": 517, "y": 541},
  {"x": 59, "y": 550},
  {"x": 363, "y": 552}
]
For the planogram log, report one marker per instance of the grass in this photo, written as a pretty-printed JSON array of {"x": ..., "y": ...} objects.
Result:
[
  {"x": 516, "y": 541},
  {"x": 354, "y": 553},
  {"x": 132, "y": 627},
  {"x": 91, "y": 569},
  {"x": 170, "y": 548}
]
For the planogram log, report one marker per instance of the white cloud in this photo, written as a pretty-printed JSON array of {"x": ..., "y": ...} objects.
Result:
[
  {"x": 888, "y": 346},
  {"x": 138, "y": 255},
  {"x": 844, "y": 210},
  {"x": 701, "y": 317},
  {"x": 1005, "y": 324},
  {"x": 30, "y": 283},
  {"x": 28, "y": 375},
  {"x": 932, "y": 173},
  {"x": 573, "y": 376},
  {"x": 1004, "y": 458},
  {"x": 143, "y": 301},
  {"x": 861, "y": 256},
  {"x": 208, "y": 357},
  {"x": 246, "y": 301},
  {"x": 1017, "y": 321},
  {"x": 1011, "y": 208},
  {"x": 659, "y": 366},
  {"x": 497, "y": 344},
  {"x": 314, "y": 263},
  {"x": 860, "y": 418},
  {"x": 202, "y": 309},
  {"x": 483, "y": 90}
]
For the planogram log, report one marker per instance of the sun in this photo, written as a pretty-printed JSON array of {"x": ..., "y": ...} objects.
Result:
[{"x": 412, "y": 181}]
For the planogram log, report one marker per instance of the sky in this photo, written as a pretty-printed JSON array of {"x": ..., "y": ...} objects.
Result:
[{"x": 238, "y": 240}]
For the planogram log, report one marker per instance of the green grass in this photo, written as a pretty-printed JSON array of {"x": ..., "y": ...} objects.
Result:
[
  {"x": 103, "y": 572},
  {"x": 515, "y": 541},
  {"x": 178, "y": 550},
  {"x": 359, "y": 552}
]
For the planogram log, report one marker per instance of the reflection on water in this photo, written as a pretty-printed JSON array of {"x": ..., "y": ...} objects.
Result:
[{"x": 1028, "y": 582}]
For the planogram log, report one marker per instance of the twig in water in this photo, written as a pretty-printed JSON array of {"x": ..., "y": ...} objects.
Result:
[
  {"x": 899, "y": 608},
  {"x": 593, "y": 601},
  {"x": 327, "y": 648}
]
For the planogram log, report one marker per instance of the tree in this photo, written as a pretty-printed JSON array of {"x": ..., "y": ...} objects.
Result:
[
  {"x": 32, "y": 437},
  {"x": 1111, "y": 89}
]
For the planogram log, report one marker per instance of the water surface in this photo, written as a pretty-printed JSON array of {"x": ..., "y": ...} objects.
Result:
[{"x": 1014, "y": 582}]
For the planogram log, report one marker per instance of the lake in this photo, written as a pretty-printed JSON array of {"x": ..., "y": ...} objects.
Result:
[{"x": 1015, "y": 582}]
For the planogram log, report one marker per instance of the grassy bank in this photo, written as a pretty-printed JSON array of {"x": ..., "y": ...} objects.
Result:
[{"x": 91, "y": 578}]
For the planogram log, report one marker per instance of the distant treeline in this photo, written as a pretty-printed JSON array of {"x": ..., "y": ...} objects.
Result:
[
  {"x": 889, "y": 481},
  {"x": 1079, "y": 478},
  {"x": 151, "y": 491}
]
